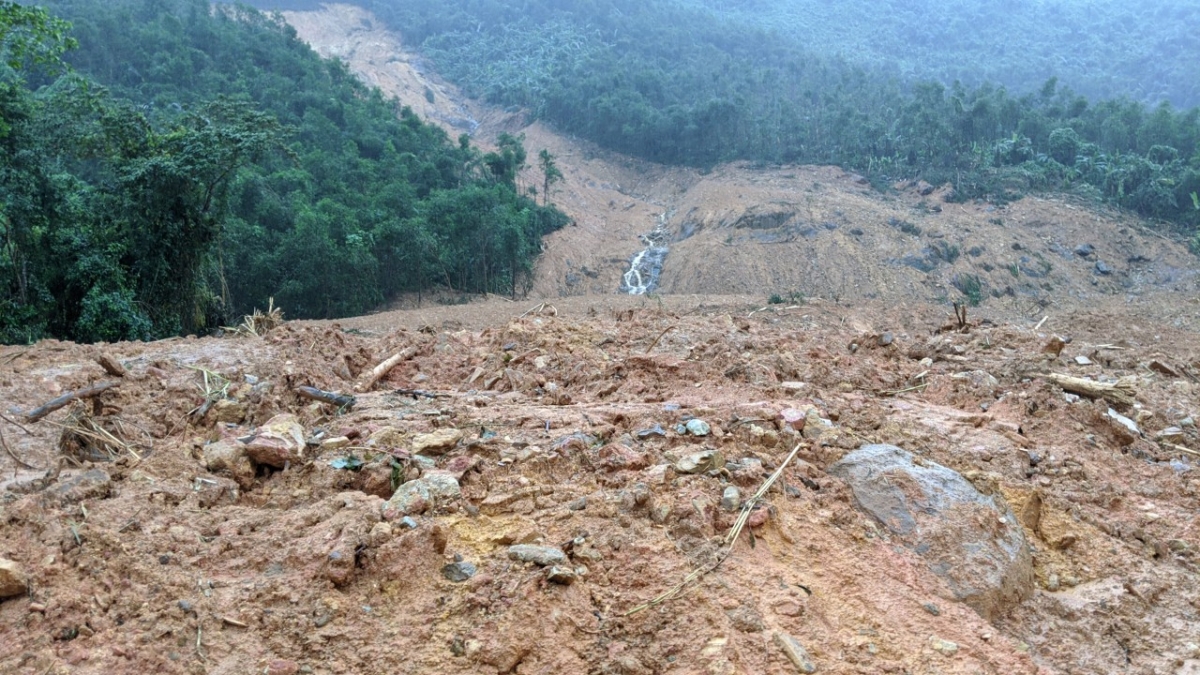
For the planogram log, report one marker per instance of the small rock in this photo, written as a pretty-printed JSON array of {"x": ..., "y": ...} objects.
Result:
[
  {"x": 886, "y": 339},
  {"x": 91, "y": 484},
  {"x": 697, "y": 427},
  {"x": 335, "y": 443},
  {"x": 931, "y": 608},
  {"x": 699, "y": 462},
  {"x": 759, "y": 518},
  {"x": 795, "y": 652},
  {"x": 561, "y": 575},
  {"x": 1125, "y": 422},
  {"x": 433, "y": 489},
  {"x": 458, "y": 572},
  {"x": 1163, "y": 368},
  {"x": 1171, "y": 434},
  {"x": 578, "y": 504},
  {"x": 617, "y": 457},
  {"x": 791, "y": 417},
  {"x": 408, "y": 522},
  {"x": 1083, "y": 360},
  {"x": 186, "y": 606},
  {"x": 1187, "y": 422},
  {"x": 1052, "y": 583},
  {"x": 545, "y": 556},
  {"x": 278, "y": 443},
  {"x": 282, "y": 667},
  {"x": 214, "y": 491},
  {"x": 1084, "y": 250},
  {"x": 1102, "y": 268},
  {"x": 943, "y": 647},
  {"x": 381, "y": 532},
  {"x": 655, "y": 430},
  {"x": 437, "y": 442},
  {"x": 1054, "y": 347},
  {"x": 731, "y": 498},
  {"x": 228, "y": 411},
  {"x": 13, "y": 580}
]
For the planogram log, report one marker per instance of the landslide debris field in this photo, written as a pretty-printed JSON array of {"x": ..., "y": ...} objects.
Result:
[{"x": 527, "y": 476}]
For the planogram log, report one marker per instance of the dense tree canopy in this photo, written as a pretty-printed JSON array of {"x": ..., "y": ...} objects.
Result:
[{"x": 208, "y": 160}]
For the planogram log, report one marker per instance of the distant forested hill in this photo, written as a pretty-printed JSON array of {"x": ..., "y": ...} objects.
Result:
[
  {"x": 867, "y": 85},
  {"x": 197, "y": 162}
]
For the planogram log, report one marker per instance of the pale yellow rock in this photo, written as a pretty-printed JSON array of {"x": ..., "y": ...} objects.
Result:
[
  {"x": 437, "y": 442},
  {"x": 13, "y": 580}
]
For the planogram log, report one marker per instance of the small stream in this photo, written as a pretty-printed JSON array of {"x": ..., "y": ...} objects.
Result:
[{"x": 646, "y": 264}]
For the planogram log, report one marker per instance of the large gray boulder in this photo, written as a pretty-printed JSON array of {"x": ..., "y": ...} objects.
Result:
[{"x": 970, "y": 540}]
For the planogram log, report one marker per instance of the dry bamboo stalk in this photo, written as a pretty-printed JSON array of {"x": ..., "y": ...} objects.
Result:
[
  {"x": 1121, "y": 393},
  {"x": 379, "y": 371}
]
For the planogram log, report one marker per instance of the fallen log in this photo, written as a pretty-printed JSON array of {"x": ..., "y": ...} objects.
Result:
[
  {"x": 379, "y": 371},
  {"x": 340, "y": 400},
  {"x": 1121, "y": 392},
  {"x": 87, "y": 392}
]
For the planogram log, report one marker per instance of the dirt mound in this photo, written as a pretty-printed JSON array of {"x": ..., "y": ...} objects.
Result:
[{"x": 563, "y": 426}]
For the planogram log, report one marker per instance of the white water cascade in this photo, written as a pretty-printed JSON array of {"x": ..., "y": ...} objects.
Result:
[{"x": 646, "y": 264}]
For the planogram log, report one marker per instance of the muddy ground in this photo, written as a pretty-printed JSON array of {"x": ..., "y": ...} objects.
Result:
[
  {"x": 158, "y": 555},
  {"x": 137, "y": 535}
]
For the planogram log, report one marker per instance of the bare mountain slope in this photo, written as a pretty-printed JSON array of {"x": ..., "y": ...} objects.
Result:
[{"x": 787, "y": 231}]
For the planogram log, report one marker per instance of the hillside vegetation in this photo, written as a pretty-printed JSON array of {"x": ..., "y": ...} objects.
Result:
[
  {"x": 698, "y": 83},
  {"x": 205, "y": 161}
]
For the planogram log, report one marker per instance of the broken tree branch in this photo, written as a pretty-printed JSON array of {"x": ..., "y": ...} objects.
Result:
[
  {"x": 1121, "y": 393},
  {"x": 87, "y": 392},
  {"x": 379, "y": 371},
  {"x": 340, "y": 400}
]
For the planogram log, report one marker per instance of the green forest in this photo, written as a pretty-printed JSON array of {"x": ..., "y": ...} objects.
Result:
[
  {"x": 876, "y": 87},
  {"x": 168, "y": 166},
  {"x": 165, "y": 167}
]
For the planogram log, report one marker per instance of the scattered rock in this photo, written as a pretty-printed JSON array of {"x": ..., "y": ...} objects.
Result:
[
  {"x": 215, "y": 491},
  {"x": 13, "y": 580},
  {"x": 931, "y": 608},
  {"x": 545, "y": 556},
  {"x": 943, "y": 647},
  {"x": 699, "y": 462},
  {"x": 229, "y": 458},
  {"x": 886, "y": 339},
  {"x": 228, "y": 411},
  {"x": 1103, "y": 268},
  {"x": 731, "y": 498},
  {"x": 434, "y": 489},
  {"x": 278, "y": 443},
  {"x": 617, "y": 457},
  {"x": 578, "y": 504},
  {"x": 282, "y": 667},
  {"x": 655, "y": 430},
  {"x": 436, "y": 443},
  {"x": 561, "y": 575},
  {"x": 91, "y": 484},
  {"x": 697, "y": 427},
  {"x": 1163, "y": 368},
  {"x": 1125, "y": 422},
  {"x": 1083, "y": 360},
  {"x": 1054, "y": 347},
  {"x": 1084, "y": 250},
  {"x": 791, "y": 417},
  {"x": 795, "y": 652},
  {"x": 937, "y": 513},
  {"x": 458, "y": 572}
]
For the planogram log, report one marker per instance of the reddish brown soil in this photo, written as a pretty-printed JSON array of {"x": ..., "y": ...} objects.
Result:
[
  {"x": 149, "y": 562},
  {"x": 144, "y": 572}
]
